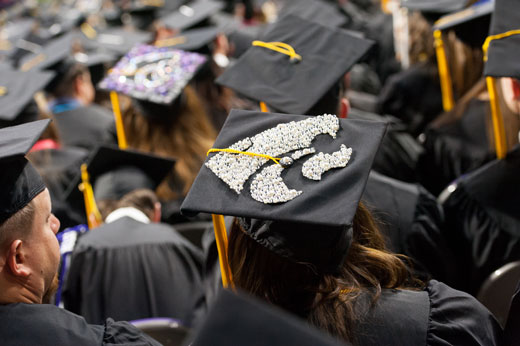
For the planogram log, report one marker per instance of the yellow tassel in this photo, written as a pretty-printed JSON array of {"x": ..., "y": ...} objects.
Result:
[
  {"x": 222, "y": 246},
  {"x": 279, "y": 47},
  {"x": 93, "y": 215},
  {"x": 121, "y": 138},
  {"x": 444, "y": 72},
  {"x": 263, "y": 107},
  {"x": 498, "y": 121}
]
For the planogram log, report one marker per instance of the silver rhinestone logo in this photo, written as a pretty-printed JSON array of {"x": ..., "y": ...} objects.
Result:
[{"x": 268, "y": 186}]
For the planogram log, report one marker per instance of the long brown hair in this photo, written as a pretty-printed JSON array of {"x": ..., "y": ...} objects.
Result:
[
  {"x": 187, "y": 137},
  {"x": 327, "y": 301}
]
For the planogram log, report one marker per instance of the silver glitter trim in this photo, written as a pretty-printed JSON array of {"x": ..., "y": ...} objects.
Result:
[
  {"x": 314, "y": 167},
  {"x": 268, "y": 186}
]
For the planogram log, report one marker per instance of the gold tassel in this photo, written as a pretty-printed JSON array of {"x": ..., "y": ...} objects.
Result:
[{"x": 444, "y": 72}]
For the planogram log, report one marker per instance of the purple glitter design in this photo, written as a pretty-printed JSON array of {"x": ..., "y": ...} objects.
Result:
[{"x": 169, "y": 81}]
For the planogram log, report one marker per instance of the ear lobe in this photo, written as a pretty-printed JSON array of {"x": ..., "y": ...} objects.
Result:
[
  {"x": 345, "y": 108},
  {"x": 516, "y": 88},
  {"x": 157, "y": 213},
  {"x": 16, "y": 260}
]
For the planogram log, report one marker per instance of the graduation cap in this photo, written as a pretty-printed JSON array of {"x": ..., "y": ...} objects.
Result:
[
  {"x": 17, "y": 89},
  {"x": 317, "y": 11},
  {"x": 53, "y": 52},
  {"x": 117, "y": 39},
  {"x": 191, "y": 14},
  {"x": 435, "y": 6},
  {"x": 471, "y": 25},
  {"x": 153, "y": 74},
  {"x": 295, "y": 64},
  {"x": 114, "y": 173},
  {"x": 193, "y": 40},
  {"x": 239, "y": 319},
  {"x": 500, "y": 57},
  {"x": 20, "y": 180},
  {"x": 305, "y": 174},
  {"x": 12, "y": 32}
]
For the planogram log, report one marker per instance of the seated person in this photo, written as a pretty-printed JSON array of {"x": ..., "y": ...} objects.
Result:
[
  {"x": 132, "y": 257},
  {"x": 29, "y": 259},
  {"x": 302, "y": 240}
]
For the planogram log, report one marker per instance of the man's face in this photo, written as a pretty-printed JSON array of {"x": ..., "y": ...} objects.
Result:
[{"x": 43, "y": 254}]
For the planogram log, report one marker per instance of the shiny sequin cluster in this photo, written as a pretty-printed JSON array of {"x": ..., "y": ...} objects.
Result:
[
  {"x": 314, "y": 167},
  {"x": 156, "y": 74},
  {"x": 268, "y": 186}
]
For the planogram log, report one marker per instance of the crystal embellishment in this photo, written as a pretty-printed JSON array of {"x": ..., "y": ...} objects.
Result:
[
  {"x": 268, "y": 186},
  {"x": 320, "y": 163}
]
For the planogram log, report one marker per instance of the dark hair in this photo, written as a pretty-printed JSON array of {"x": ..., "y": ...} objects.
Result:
[
  {"x": 329, "y": 102},
  {"x": 19, "y": 225},
  {"x": 327, "y": 301},
  {"x": 60, "y": 86},
  {"x": 141, "y": 199}
]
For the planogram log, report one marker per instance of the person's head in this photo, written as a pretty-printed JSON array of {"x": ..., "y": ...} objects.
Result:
[
  {"x": 333, "y": 101},
  {"x": 324, "y": 298},
  {"x": 181, "y": 130},
  {"x": 74, "y": 82},
  {"x": 144, "y": 200},
  {"x": 30, "y": 253}
]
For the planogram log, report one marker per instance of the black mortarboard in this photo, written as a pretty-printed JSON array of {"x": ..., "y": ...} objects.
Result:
[
  {"x": 53, "y": 52},
  {"x": 192, "y": 14},
  {"x": 153, "y": 74},
  {"x": 289, "y": 84},
  {"x": 193, "y": 39},
  {"x": 317, "y": 11},
  {"x": 117, "y": 39},
  {"x": 504, "y": 40},
  {"x": 239, "y": 319},
  {"x": 435, "y": 6},
  {"x": 471, "y": 25},
  {"x": 14, "y": 31},
  {"x": 17, "y": 90},
  {"x": 254, "y": 187},
  {"x": 19, "y": 179},
  {"x": 114, "y": 172}
]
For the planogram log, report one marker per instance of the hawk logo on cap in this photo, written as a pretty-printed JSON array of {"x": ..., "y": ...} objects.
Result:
[{"x": 236, "y": 164}]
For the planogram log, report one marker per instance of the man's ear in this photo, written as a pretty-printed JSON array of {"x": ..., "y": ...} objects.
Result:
[
  {"x": 157, "y": 213},
  {"x": 344, "y": 108},
  {"x": 516, "y": 88},
  {"x": 16, "y": 259}
]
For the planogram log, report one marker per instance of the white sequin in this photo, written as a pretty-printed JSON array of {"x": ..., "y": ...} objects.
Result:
[{"x": 314, "y": 167}]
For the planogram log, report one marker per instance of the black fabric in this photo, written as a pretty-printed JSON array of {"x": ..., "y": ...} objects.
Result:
[
  {"x": 456, "y": 318},
  {"x": 52, "y": 52},
  {"x": 115, "y": 39},
  {"x": 411, "y": 220},
  {"x": 434, "y": 6},
  {"x": 294, "y": 87},
  {"x": 482, "y": 221},
  {"x": 130, "y": 270},
  {"x": 86, "y": 127},
  {"x": 413, "y": 95},
  {"x": 455, "y": 149},
  {"x": 48, "y": 325},
  {"x": 238, "y": 319},
  {"x": 511, "y": 331},
  {"x": 194, "y": 39},
  {"x": 399, "y": 151},
  {"x": 20, "y": 88},
  {"x": 502, "y": 60},
  {"x": 19, "y": 180}
]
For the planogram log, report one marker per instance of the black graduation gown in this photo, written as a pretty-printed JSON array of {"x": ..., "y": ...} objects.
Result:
[
  {"x": 86, "y": 127},
  {"x": 438, "y": 315},
  {"x": 413, "y": 95},
  {"x": 512, "y": 330},
  {"x": 48, "y": 325},
  {"x": 129, "y": 270},
  {"x": 455, "y": 149},
  {"x": 399, "y": 151},
  {"x": 483, "y": 220},
  {"x": 411, "y": 220},
  {"x": 58, "y": 167}
]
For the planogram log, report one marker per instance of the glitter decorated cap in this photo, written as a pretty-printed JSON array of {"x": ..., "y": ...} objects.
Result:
[
  {"x": 471, "y": 25},
  {"x": 324, "y": 163},
  {"x": 20, "y": 182},
  {"x": 294, "y": 83},
  {"x": 504, "y": 40},
  {"x": 240, "y": 319},
  {"x": 153, "y": 74}
]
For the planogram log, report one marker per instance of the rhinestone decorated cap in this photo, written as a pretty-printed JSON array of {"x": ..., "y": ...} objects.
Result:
[
  {"x": 295, "y": 181},
  {"x": 154, "y": 74},
  {"x": 323, "y": 166}
]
